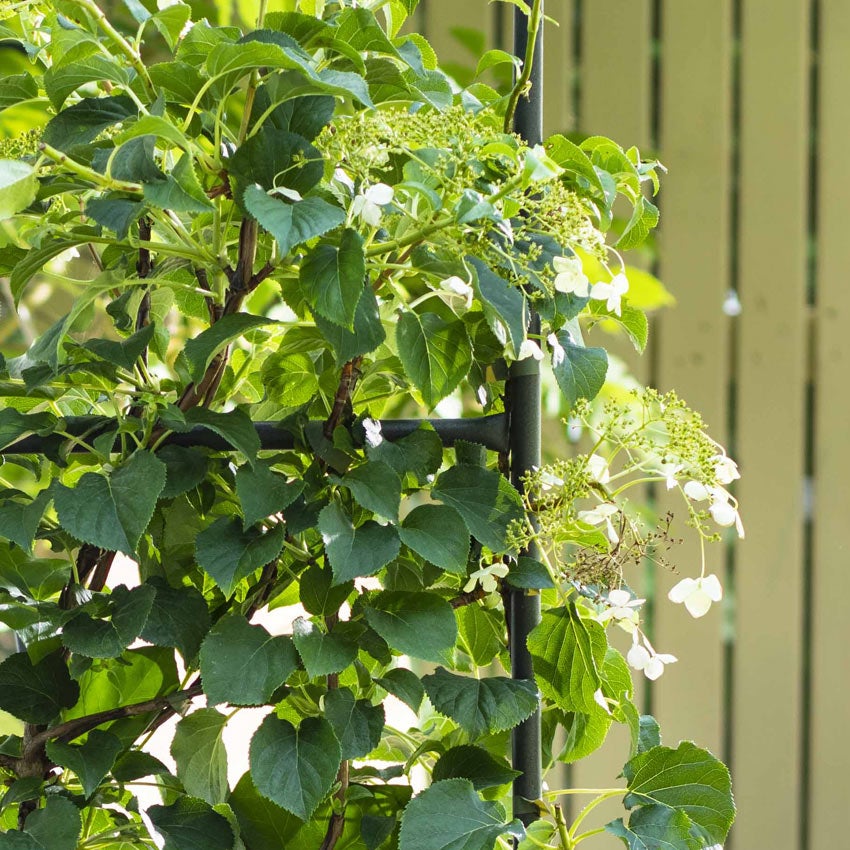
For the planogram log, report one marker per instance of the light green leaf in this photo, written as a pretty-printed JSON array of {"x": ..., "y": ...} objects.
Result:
[
  {"x": 332, "y": 278},
  {"x": 481, "y": 706},
  {"x": 356, "y": 552},
  {"x": 477, "y": 765},
  {"x": 482, "y": 633},
  {"x": 438, "y": 534},
  {"x": 91, "y": 761},
  {"x": 581, "y": 372},
  {"x": 632, "y": 320},
  {"x": 17, "y": 88},
  {"x": 228, "y": 554},
  {"x": 356, "y": 722},
  {"x": 419, "y": 624},
  {"x": 263, "y": 492},
  {"x": 567, "y": 652},
  {"x": 322, "y": 653},
  {"x": 36, "y": 693},
  {"x": 180, "y": 192},
  {"x": 191, "y": 824},
  {"x": 201, "y": 350},
  {"x": 179, "y": 617},
  {"x": 485, "y": 500},
  {"x": 376, "y": 487},
  {"x": 295, "y": 768},
  {"x": 436, "y": 354},
  {"x": 290, "y": 378},
  {"x": 243, "y": 664},
  {"x": 198, "y": 750},
  {"x": 451, "y": 816},
  {"x": 112, "y": 512},
  {"x": 18, "y": 187},
  {"x": 644, "y": 218},
  {"x": 656, "y": 828}
]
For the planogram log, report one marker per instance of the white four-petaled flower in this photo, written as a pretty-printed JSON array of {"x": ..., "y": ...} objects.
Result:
[
  {"x": 486, "y": 577},
  {"x": 599, "y": 514},
  {"x": 529, "y": 348},
  {"x": 697, "y": 594},
  {"x": 368, "y": 204},
  {"x": 725, "y": 469},
  {"x": 372, "y": 429},
  {"x": 458, "y": 286},
  {"x": 645, "y": 658},
  {"x": 722, "y": 511},
  {"x": 570, "y": 277},
  {"x": 597, "y": 468},
  {"x": 612, "y": 292},
  {"x": 623, "y": 610}
]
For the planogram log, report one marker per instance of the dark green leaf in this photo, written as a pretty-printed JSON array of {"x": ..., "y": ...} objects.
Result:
[
  {"x": 368, "y": 331},
  {"x": 436, "y": 354},
  {"x": 199, "y": 753},
  {"x": 137, "y": 765},
  {"x": 567, "y": 652},
  {"x": 405, "y": 685},
  {"x": 228, "y": 554},
  {"x": 179, "y": 617},
  {"x": 14, "y": 424},
  {"x": 305, "y": 116},
  {"x": 356, "y": 723},
  {"x": 631, "y": 319},
  {"x": 263, "y": 492},
  {"x": 243, "y": 664},
  {"x": 191, "y": 824},
  {"x": 376, "y": 487},
  {"x": 530, "y": 574},
  {"x": 36, "y": 692},
  {"x": 295, "y": 768},
  {"x": 180, "y": 191},
  {"x": 332, "y": 278},
  {"x": 649, "y": 735},
  {"x": 319, "y": 595},
  {"x": 481, "y": 706},
  {"x": 124, "y": 353},
  {"x": 263, "y": 824},
  {"x": 439, "y": 535},
  {"x": 419, "y": 453},
  {"x": 322, "y": 653},
  {"x": 234, "y": 425},
  {"x": 185, "y": 468},
  {"x": 356, "y": 552},
  {"x": 112, "y": 512},
  {"x": 19, "y": 521},
  {"x": 84, "y": 121},
  {"x": 291, "y": 224},
  {"x": 132, "y": 161},
  {"x": 451, "y": 816},
  {"x": 580, "y": 373},
  {"x": 115, "y": 213},
  {"x": 485, "y": 500},
  {"x": 419, "y": 624},
  {"x": 201, "y": 350},
  {"x": 55, "y": 827},
  {"x": 481, "y": 768},
  {"x": 97, "y": 638},
  {"x": 91, "y": 761},
  {"x": 504, "y": 305},
  {"x": 276, "y": 159}
]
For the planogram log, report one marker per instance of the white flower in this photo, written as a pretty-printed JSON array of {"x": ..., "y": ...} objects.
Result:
[
  {"x": 697, "y": 491},
  {"x": 548, "y": 481},
  {"x": 599, "y": 514},
  {"x": 344, "y": 180},
  {"x": 669, "y": 471},
  {"x": 486, "y": 577},
  {"x": 645, "y": 658},
  {"x": 623, "y": 609},
  {"x": 558, "y": 353},
  {"x": 725, "y": 469},
  {"x": 597, "y": 467},
  {"x": 570, "y": 277},
  {"x": 530, "y": 348},
  {"x": 697, "y": 594},
  {"x": 458, "y": 286},
  {"x": 368, "y": 204},
  {"x": 611, "y": 292},
  {"x": 722, "y": 511},
  {"x": 373, "y": 432}
]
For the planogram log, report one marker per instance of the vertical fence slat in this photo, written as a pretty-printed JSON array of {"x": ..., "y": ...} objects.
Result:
[
  {"x": 830, "y": 750},
  {"x": 442, "y": 16},
  {"x": 773, "y": 192},
  {"x": 558, "y": 114},
  {"x": 693, "y": 337},
  {"x": 615, "y": 101}
]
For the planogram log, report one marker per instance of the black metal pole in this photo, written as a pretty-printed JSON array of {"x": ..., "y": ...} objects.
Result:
[{"x": 524, "y": 404}]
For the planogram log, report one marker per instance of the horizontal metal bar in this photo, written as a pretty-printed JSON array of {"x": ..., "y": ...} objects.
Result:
[{"x": 489, "y": 431}]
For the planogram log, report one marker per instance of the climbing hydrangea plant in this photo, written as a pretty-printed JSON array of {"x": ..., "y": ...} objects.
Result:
[{"x": 310, "y": 224}]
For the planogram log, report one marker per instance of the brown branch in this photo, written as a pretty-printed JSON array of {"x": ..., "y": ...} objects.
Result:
[
  {"x": 336, "y": 822},
  {"x": 347, "y": 382},
  {"x": 468, "y": 598}
]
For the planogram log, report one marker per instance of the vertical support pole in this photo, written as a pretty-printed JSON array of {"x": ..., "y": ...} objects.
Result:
[{"x": 524, "y": 404}]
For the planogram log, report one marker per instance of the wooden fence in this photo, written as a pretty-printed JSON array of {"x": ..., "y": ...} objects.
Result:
[{"x": 745, "y": 102}]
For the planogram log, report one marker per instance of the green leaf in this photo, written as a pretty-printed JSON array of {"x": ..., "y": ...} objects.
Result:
[
  {"x": 581, "y": 372},
  {"x": 322, "y": 653},
  {"x": 356, "y": 723},
  {"x": 420, "y": 453},
  {"x": 656, "y": 828},
  {"x": 124, "y": 353},
  {"x": 19, "y": 521},
  {"x": 153, "y": 125},
  {"x": 356, "y": 552},
  {"x": 18, "y": 187},
  {"x": 55, "y": 827},
  {"x": 16, "y": 88},
  {"x": 481, "y": 706},
  {"x": 504, "y": 305},
  {"x": 191, "y": 824},
  {"x": 436, "y": 354},
  {"x": 91, "y": 761},
  {"x": 419, "y": 624},
  {"x": 632, "y": 320},
  {"x": 290, "y": 379},
  {"x": 198, "y": 750},
  {"x": 529, "y": 574},
  {"x": 112, "y": 512},
  {"x": 263, "y": 824},
  {"x": 649, "y": 734},
  {"x": 439, "y": 535},
  {"x": 263, "y": 492},
  {"x": 688, "y": 780},
  {"x": 85, "y": 121},
  {"x": 243, "y": 664},
  {"x": 291, "y": 224},
  {"x": 485, "y": 500},
  {"x": 567, "y": 652},
  {"x": 228, "y": 554},
  {"x": 35, "y": 578},
  {"x": 360, "y": 29},
  {"x": 644, "y": 218},
  {"x": 405, "y": 685},
  {"x": 332, "y": 278},
  {"x": 136, "y": 764},
  {"x": 481, "y": 768},
  {"x": 115, "y": 213},
  {"x": 319, "y": 595},
  {"x": 201, "y": 350},
  {"x": 376, "y": 487},
  {"x": 180, "y": 191},
  {"x": 133, "y": 161},
  {"x": 451, "y": 816},
  {"x": 368, "y": 331},
  {"x": 36, "y": 693},
  {"x": 234, "y": 426},
  {"x": 97, "y": 638},
  {"x": 482, "y": 633},
  {"x": 179, "y": 617},
  {"x": 185, "y": 469},
  {"x": 295, "y": 768}
]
